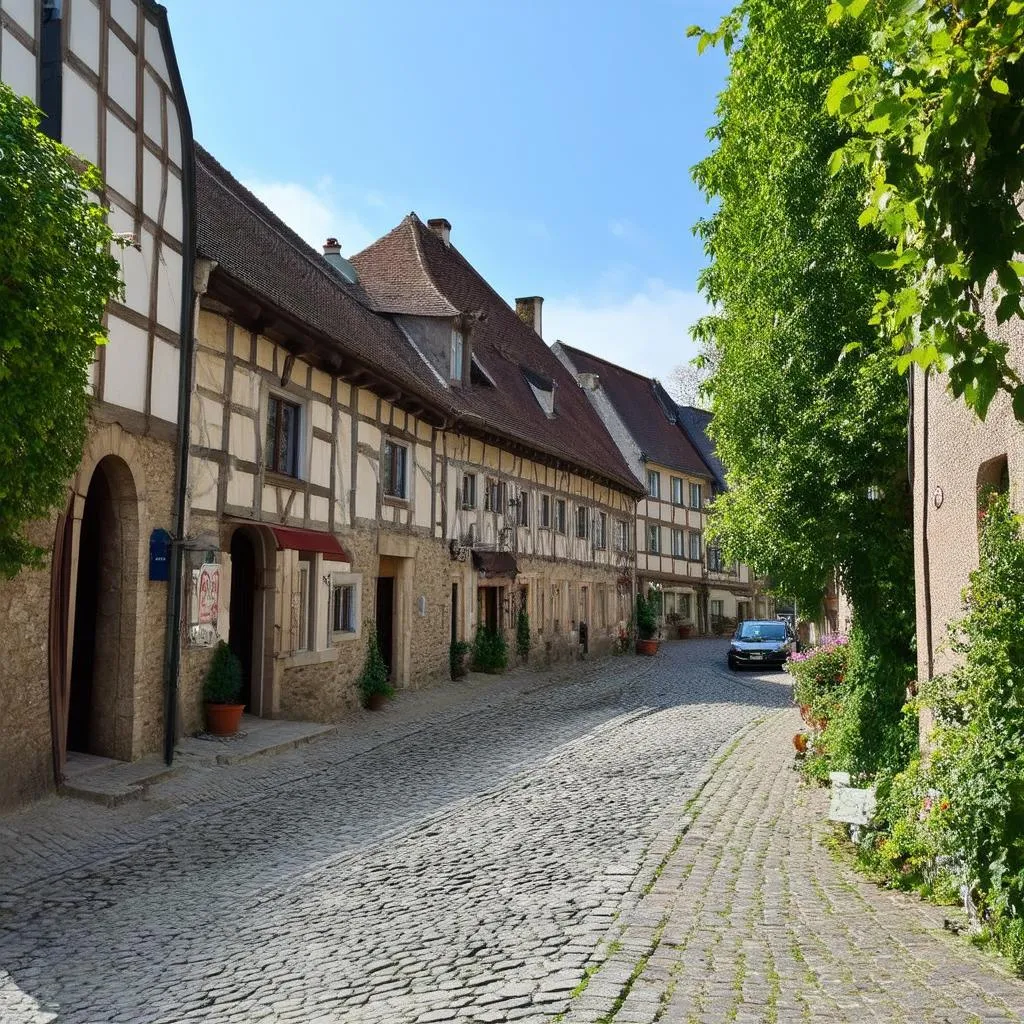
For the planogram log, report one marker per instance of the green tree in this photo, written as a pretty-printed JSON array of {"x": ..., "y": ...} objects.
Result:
[
  {"x": 935, "y": 102},
  {"x": 815, "y": 442},
  {"x": 56, "y": 276}
]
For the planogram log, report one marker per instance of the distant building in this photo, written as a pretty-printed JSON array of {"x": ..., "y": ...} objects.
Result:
[{"x": 672, "y": 457}]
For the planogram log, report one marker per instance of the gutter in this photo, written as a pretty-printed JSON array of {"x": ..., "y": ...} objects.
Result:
[{"x": 172, "y": 645}]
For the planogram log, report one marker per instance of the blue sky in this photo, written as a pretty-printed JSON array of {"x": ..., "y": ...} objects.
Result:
[{"x": 556, "y": 137}]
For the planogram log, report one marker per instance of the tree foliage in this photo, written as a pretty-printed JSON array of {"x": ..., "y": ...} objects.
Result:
[
  {"x": 56, "y": 276},
  {"x": 807, "y": 435},
  {"x": 935, "y": 104}
]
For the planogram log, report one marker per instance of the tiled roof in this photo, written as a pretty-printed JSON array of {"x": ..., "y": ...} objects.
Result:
[
  {"x": 696, "y": 423},
  {"x": 511, "y": 353},
  {"x": 259, "y": 252},
  {"x": 395, "y": 276},
  {"x": 647, "y": 412}
]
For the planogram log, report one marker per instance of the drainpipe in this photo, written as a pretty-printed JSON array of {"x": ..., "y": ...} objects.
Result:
[{"x": 201, "y": 270}]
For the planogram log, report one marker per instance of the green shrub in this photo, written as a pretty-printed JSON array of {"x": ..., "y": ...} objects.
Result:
[
  {"x": 373, "y": 680},
  {"x": 490, "y": 652},
  {"x": 646, "y": 616},
  {"x": 523, "y": 640},
  {"x": 963, "y": 808},
  {"x": 457, "y": 652},
  {"x": 223, "y": 681}
]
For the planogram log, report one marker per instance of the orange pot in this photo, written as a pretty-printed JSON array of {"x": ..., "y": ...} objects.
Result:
[
  {"x": 375, "y": 702},
  {"x": 647, "y": 647},
  {"x": 800, "y": 742},
  {"x": 223, "y": 719}
]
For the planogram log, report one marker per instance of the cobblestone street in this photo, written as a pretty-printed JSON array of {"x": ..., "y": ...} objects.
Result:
[{"x": 587, "y": 845}]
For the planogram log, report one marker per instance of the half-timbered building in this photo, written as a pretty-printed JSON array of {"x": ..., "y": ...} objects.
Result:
[{"x": 84, "y": 671}]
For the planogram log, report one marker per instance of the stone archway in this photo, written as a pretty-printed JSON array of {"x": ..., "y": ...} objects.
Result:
[{"x": 103, "y": 624}]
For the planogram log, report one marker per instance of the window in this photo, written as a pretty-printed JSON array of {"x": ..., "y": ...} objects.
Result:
[
  {"x": 582, "y": 517},
  {"x": 653, "y": 483},
  {"x": 601, "y": 531},
  {"x": 677, "y": 544},
  {"x": 458, "y": 347},
  {"x": 677, "y": 490},
  {"x": 394, "y": 459},
  {"x": 654, "y": 539},
  {"x": 684, "y": 607},
  {"x": 496, "y": 498},
  {"x": 715, "y": 563},
  {"x": 560, "y": 515},
  {"x": 282, "y": 454},
  {"x": 694, "y": 495},
  {"x": 343, "y": 607},
  {"x": 717, "y": 611},
  {"x": 695, "y": 547},
  {"x": 304, "y": 637},
  {"x": 524, "y": 508},
  {"x": 469, "y": 490},
  {"x": 545, "y": 511},
  {"x": 621, "y": 535}
]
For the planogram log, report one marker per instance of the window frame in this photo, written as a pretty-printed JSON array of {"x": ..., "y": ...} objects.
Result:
[
  {"x": 457, "y": 356},
  {"x": 677, "y": 485},
  {"x": 523, "y": 511},
  {"x": 622, "y": 535},
  {"x": 698, "y": 490},
  {"x": 654, "y": 477},
  {"x": 351, "y": 582},
  {"x": 395, "y": 447},
  {"x": 545, "y": 511},
  {"x": 601, "y": 531},
  {"x": 582, "y": 522},
  {"x": 678, "y": 550},
  {"x": 561, "y": 516},
  {"x": 470, "y": 503},
  {"x": 694, "y": 535},
  {"x": 280, "y": 402},
  {"x": 654, "y": 533}
]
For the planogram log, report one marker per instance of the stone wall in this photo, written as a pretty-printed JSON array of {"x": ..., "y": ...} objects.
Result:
[{"x": 26, "y": 755}]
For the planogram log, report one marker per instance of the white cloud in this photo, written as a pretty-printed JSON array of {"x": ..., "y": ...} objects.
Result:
[
  {"x": 314, "y": 213},
  {"x": 647, "y": 331}
]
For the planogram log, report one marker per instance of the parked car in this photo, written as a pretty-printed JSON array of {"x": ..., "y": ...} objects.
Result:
[{"x": 761, "y": 642}]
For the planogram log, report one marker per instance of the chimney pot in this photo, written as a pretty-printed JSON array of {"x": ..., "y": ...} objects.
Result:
[
  {"x": 442, "y": 228},
  {"x": 528, "y": 310},
  {"x": 332, "y": 247}
]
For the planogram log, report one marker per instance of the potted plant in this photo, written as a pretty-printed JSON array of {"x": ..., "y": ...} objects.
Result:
[
  {"x": 221, "y": 689},
  {"x": 374, "y": 686},
  {"x": 646, "y": 626},
  {"x": 457, "y": 658},
  {"x": 490, "y": 651},
  {"x": 685, "y": 630}
]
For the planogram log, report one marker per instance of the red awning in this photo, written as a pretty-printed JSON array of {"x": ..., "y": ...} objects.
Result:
[{"x": 310, "y": 540}]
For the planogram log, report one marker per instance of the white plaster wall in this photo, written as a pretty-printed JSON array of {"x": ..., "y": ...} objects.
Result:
[
  {"x": 84, "y": 33},
  {"x": 17, "y": 65},
  {"x": 164, "y": 396},
  {"x": 125, "y": 365}
]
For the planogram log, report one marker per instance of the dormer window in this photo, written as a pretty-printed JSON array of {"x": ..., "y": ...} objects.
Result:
[
  {"x": 457, "y": 358},
  {"x": 543, "y": 389}
]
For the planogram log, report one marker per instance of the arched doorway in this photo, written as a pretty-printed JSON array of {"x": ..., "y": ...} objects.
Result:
[
  {"x": 102, "y": 676},
  {"x": 242, "y": 628}
]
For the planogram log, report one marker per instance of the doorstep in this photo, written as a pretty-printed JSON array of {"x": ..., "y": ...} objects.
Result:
[
  {"x": 255, "y": 737},
  {"x": 105, "y": 781},
  {"x": 111, "y": 783}
]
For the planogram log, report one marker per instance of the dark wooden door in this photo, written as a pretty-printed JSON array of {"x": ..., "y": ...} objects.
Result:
[
  {"x": 386, "y": 620},
  {"x": 455, "y": 612},
  {"x": 243, "y": 605}
]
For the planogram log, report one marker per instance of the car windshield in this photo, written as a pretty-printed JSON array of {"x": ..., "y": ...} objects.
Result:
[{"x": 762, "y": 631}]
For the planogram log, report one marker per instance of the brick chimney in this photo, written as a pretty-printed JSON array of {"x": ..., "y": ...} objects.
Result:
[
  {"x": 528, "y": 310},
  {"x": 442, "y": 228}
]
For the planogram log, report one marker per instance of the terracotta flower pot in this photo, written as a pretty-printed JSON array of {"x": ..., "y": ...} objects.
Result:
[
  {"x": 223, "y": 719},
  {"x": 647, "y": 647},
  {"x": 684, "y": 632},
  {"x": 375, "y": 701},
  {"x": 800, "y": 742}
]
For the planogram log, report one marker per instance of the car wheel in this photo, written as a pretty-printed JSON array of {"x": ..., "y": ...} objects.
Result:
[{"x": 732, "y": 663}]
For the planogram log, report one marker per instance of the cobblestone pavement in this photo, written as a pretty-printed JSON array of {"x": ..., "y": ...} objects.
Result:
[{"x": 533, "y": 849}]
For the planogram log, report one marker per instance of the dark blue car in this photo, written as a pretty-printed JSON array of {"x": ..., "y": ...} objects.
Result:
[{"x": 759, "y": 643}]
